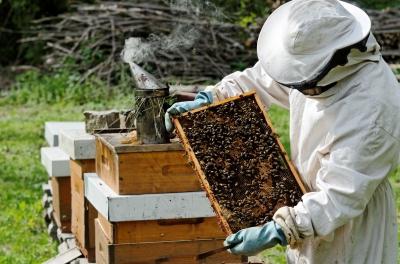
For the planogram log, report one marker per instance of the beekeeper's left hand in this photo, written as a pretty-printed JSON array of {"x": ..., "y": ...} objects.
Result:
[{"x": 201, "y": 99}]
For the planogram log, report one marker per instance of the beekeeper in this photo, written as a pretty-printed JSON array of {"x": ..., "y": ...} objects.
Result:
[{"x": 319, "y": 59}]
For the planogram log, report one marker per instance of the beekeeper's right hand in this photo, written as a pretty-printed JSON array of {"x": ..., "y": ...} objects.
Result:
[
  {"x": 201, "y": 99},
  {"x": 251, "y": 241}
]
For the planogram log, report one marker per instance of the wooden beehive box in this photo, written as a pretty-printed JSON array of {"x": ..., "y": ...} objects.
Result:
[
  {"x": 143, "y": 169},
  {"x": 152, "y": 217},
  {"x": 56, "y": 163},
  {"x": 83, "y": 213},
  {"x": 161, "y": 230},
  {"x": 61, "y": 187},
  {"x": 80, "y": 147},
  {"x": 172, "y": 252},
  {"x": 240, "y": 161}
]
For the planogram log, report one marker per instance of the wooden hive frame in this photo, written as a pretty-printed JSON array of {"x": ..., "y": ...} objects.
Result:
[{"x": 196, "y": 164}]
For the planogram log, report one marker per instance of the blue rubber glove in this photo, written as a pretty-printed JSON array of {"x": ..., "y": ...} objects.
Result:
[
  {"x": 201, "y": 99},
  {"x": 253, "y": 240}
]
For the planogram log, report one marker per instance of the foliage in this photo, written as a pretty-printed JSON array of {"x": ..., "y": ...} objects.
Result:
[
  {"x": 244, "y": 12},
  {"x": 64, "y": 85},
  {"x": 23, "y": 235},
  {"x": 15, "y": 18},
  {"x": 378, "y": 4}
]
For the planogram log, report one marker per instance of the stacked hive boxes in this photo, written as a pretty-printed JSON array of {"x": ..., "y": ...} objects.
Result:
[
  {"x": 129, "y": 203},
  {"x": 56, "y": 163},
  {"x": 151, "y": 207},
  {"x": 80, "y": 148}
]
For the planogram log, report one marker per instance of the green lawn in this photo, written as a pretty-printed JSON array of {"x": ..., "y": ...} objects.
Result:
[{"x": 23, "y": 237}]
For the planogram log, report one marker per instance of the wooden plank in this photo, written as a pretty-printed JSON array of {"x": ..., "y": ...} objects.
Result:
[
  {"x": 177, "y": 252},
  {"x": 120, "y": 208},
  {"x": 65, "y": 257},
  {"x": 113, "y": 141},
  {"x": 77, "y": 144},
  {"x": 145, "y": 172},
  {"x": 157, "y": 230},
  {"x": 83, "y": 214},
  {"x": 61, "y": 187},
  {"x": 224, "y": 224},
  {"x": 55, "y": 161},
  {"x": 102, "y": 242},
  {"x": 156, "y": 172},
  {"x": 107, "y": 165},
  {"x": 52, "y": 130}
]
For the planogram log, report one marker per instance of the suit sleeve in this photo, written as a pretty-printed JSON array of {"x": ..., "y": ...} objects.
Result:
[
  {"x": 346, "y": 181},
  {"x": 254, "y": 78}
]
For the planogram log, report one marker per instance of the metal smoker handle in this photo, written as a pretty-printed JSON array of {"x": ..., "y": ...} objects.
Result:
[{"x": 215, "y": 251}]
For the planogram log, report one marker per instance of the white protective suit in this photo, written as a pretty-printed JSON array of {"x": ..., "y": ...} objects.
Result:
[{"x": 344, "y": 143}]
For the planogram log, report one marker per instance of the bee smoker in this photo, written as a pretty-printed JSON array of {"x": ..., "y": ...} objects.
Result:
[{"x": 150, "y": 95}]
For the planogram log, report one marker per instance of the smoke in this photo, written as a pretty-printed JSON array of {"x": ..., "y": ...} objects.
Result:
[
  {"x": 183, "y": 36},
  {"x": 198, "y": 8}
]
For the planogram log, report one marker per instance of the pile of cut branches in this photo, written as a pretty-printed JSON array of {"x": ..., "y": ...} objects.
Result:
[
  {"x": 94, "y": 35},
  {"x": 386, "y": 28}
]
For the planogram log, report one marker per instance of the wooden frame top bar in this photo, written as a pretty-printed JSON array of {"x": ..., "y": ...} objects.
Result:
[{"x": 113, "y": 142}]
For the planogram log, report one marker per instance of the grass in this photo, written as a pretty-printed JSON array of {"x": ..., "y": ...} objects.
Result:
[{"x": 23, "y": 236}]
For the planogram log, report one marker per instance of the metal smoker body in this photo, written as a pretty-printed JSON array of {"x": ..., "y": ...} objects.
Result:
[{"x": 150, "y": 96}]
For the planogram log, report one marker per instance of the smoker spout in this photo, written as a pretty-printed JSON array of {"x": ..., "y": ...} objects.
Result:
[{"x": 145, "y": 80}]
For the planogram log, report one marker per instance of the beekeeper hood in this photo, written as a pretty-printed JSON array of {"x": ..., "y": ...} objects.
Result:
[{"x": 303, "y": 40}]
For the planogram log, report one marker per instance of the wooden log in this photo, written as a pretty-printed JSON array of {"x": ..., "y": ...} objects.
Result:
[
  {"x": 95, "y": 120},
  {"x": 83, "y": 213},
  {"x": 177, "y": 252},
  {"x": 52, "y": 230},
  {"x": 120, "y": 208},
  {"x": 46, "y": 187},
  {"x": 62, "y": 237},
  {"x": 46, "y": 200},
  {"x": 143, "y": 169}
]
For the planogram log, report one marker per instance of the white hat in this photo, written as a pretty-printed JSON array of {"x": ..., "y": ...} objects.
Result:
[{"x": 300, "y": 37}]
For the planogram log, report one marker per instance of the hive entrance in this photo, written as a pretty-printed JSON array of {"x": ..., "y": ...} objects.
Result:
[{"x": 239, "y": 161}]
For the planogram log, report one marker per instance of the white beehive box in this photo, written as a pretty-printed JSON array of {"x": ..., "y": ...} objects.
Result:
[
  {"x": 52, "y": 130},
  {"x": 55, "y": 161},
  {"x": 78, "y": 144},
  {"x": 119, "y": 208}
]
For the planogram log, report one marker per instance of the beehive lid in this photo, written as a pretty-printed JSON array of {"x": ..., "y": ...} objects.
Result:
[
  {"x": 240, "y": 161},
  {"x": 114, "y": 141}
]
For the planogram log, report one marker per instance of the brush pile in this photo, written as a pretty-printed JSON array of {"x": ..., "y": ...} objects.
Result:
[
  {"x": 386, "y": 28},
  {"x": 189, "y": 43},
  {"x": 94, "y": 36}
]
